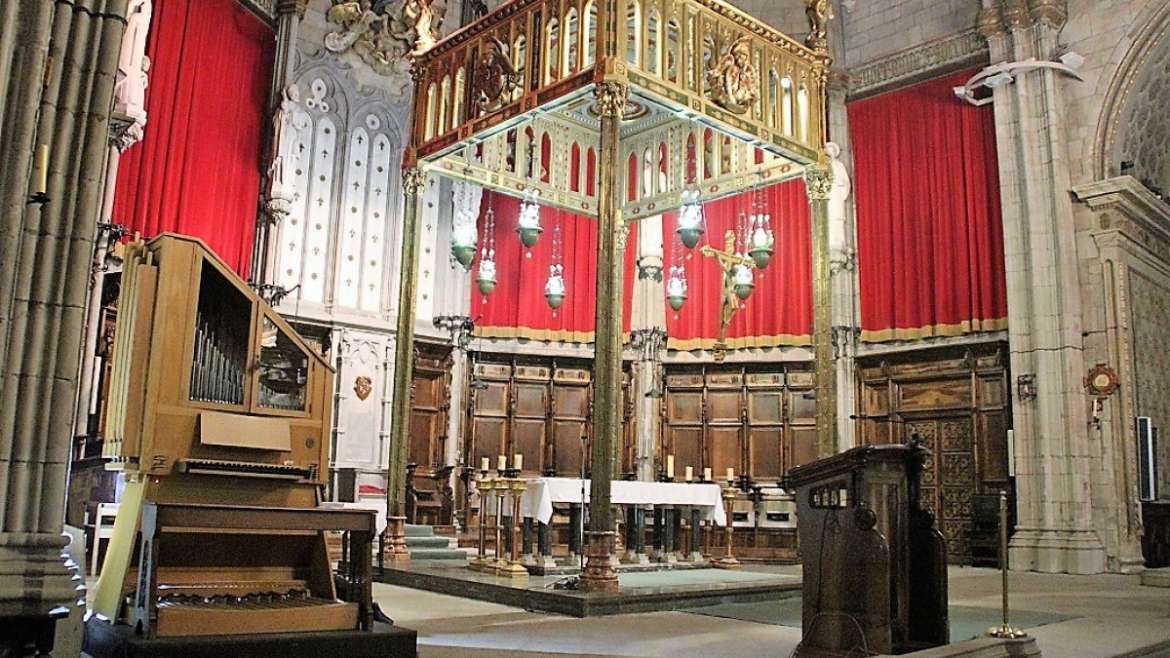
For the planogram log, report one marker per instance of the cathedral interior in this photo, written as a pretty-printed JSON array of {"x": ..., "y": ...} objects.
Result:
[{"x": 546, "y": 328}]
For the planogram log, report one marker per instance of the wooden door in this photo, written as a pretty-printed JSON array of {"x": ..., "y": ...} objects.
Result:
[
  {"x": 683, "y": 421},
  {"x": 487, "y": 434},
  {"x": 429, "y": 404},
  {"x": 956, "y": 402},
  {"x": 531, "y": 396},
  {"x": 725, "y": 421},
  {"x": 765, "y": 425},
  {"x": 948, "y": 477},
  {"x": 570, "y": 421}
]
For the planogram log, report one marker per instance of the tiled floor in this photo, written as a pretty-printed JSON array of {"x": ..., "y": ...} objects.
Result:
[{"x": 1082, "y": 616}]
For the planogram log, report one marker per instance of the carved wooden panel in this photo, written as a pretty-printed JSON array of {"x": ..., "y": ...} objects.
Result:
[
  {"x": 959, "y": 407},
  {"x": 428, "y": 411},
  {"x": 752, "y": 420},
  {"x": 537, "y": 407}
]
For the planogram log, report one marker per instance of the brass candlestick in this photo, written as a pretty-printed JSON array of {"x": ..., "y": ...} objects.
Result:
[
  {"x": 500, "y": 487},
  {"x": 484, "y": 486},
  {"x": 512, "y": 566},
  {"x": 1004, "y": 631},
  {"x": 728, "y": 561}
]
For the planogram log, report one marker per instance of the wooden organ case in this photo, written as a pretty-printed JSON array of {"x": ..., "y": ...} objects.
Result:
[{"x": 219, "y": 419}]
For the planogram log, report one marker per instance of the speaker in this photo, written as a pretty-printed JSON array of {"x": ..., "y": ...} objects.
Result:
[{"x": 1147, "y": 449}]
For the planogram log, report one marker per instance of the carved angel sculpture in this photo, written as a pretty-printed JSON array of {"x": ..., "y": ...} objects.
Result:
[
  {"x": 733, "y": 82},
  {"x": 384, "y": 32},
  {"x": 819, "y": 13}
]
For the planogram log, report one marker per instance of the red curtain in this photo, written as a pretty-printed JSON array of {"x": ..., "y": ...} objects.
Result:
[
  {"x": 517, "y": 307},
  {"x": 929, "y": 232},
  {"x": 779, "y": 311},
  {"x": 197, "y": 170}
]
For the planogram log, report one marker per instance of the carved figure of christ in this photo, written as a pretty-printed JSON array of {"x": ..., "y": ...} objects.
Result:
[{"x": 728, "y": 259}]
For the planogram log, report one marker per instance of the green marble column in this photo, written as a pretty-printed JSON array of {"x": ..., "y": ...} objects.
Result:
[
  {"x": 599, "y": 574},
  {"x": 819, "y": 183},
  {"x": 413, "y": 181}
]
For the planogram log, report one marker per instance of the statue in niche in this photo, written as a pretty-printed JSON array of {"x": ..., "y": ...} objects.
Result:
[
  {"x": 288, "y": 120},
  {"x": 495, "y": 77},
  {"x": 385, "y": 33},
  {"x": 819, "y": 13},
  {"x": 734, "y": 84},
  {"x": 133, "y": 64}
]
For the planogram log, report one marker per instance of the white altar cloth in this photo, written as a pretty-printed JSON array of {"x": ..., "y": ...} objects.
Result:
[{"x": 537, "y": 500}]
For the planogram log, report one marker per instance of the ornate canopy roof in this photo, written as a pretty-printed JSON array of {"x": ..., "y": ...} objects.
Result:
[{"x": 719, "y": 101}]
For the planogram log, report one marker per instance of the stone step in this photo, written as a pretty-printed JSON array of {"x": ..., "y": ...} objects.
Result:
[
  {"x": 427, "y": 542},
  {"x": 419, "y": 530},
  {"x": 1156, "y": 577},
  {"x": 437, "y": 554}
]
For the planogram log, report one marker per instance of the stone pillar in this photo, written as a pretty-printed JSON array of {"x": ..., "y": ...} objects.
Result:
[
  {"x": 413, "y": 181},
  {"x": 48, "y": 248},
  {"x": 818, "y": 182},
  {"x": 648, "y": 337},
  {"x": 846, "y": 316},
  {"x": 1127, "y": 290},
  {"x": 127, "y": 122},
  {"x": 599, "y": 574},
  {"x": 1054, "y": 531},
  {"x": 281, "y": 103}
]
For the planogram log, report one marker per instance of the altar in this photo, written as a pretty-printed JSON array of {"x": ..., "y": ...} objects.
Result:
[{"x": 542, "y": 493}]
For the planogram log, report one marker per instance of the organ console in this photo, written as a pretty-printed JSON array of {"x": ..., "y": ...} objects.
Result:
[{"x": 219, "y": 418}]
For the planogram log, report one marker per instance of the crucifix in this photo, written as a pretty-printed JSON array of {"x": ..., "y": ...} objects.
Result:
[{"x": 728, "y": 259}]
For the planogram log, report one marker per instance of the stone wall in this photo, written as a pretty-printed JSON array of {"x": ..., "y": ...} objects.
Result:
[{"x": 874, "y": 29}]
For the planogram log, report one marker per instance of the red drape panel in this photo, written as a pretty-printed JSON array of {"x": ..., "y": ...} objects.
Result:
[
  {"x": 779, "y": 311},
  {"x": 197, "y": 170},
  {"x": 929, "y": 231},
  {"x": 517, "y": 307}
]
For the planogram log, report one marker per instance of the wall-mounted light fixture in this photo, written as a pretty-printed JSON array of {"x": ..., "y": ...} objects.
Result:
[
  {"x": 1026, "y": 387},
  {"x": 1001, "y": 75}
]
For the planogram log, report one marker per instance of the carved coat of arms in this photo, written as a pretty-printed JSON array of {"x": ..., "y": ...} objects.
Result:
[
  {"x": 495, "y": 77},
  {"x": 363, "y": 386}
]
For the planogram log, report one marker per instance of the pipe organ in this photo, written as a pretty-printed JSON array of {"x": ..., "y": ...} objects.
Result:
[{"x": 219, "y": 419}]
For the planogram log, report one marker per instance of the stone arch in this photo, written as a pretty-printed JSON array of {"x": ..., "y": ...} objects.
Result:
[{"x": 1133, "y": 95}]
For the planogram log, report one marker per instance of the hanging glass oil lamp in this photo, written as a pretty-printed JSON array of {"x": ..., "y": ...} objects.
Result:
[
  {"x": 676, "y": 287},
  {"x": 554, "y": 288},
  {"x": 485, "y": 278},
  {"x": 528, "y": 224},
  {"x": 762, "y": 240},
  {"x": 690, "y": 219},
  {"x": 463, "y": 243}
]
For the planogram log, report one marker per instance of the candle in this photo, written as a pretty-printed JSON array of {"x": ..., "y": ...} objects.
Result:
[
  {"x": 690, "y": 473},
  {"x": 518, "y": 462},
  {"x": 503, "y": 463},
  {"x": 42, "y": 169},
  {"x": 670, "y": 466},
  {"x": 730, "y": 474},
  {"x": 707, "y": 474},
  {"x": 485, "y": 464}
]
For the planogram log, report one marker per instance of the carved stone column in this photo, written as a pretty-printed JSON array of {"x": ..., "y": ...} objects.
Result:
[
  {"x": 599, "y": 574},
  {"x": 289, "y": 14},
  {"x": 48, "y": 248},
  {"x": 413, "y": 182},
  {"x": 649, "y": 339},
  {"x": 1054, "y": 531},
  {"x": 843, "y": 272},
  {"x": 819, "y": 182}
]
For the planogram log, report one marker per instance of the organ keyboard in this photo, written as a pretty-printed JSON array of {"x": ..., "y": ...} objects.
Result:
[{"x": 219, "y": 416}]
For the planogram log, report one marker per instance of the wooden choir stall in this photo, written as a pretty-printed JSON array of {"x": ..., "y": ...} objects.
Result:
[{"x": 219, "y": 419}]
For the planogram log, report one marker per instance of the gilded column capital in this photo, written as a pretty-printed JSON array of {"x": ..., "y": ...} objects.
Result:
[
  {"x": 818, "y": 183},
  {"x": 611, "y": 98},
  {"x": 413, "y": 181}
]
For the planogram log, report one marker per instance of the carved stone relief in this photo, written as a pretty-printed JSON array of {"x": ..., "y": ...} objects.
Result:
[{"x": 384, "y": 32}]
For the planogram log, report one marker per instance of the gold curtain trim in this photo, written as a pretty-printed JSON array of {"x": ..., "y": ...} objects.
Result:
[
  {"x": 546, "y": 335},
  {"x": 934, "y": 331},
  {"x": 781, "y": 340}
]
